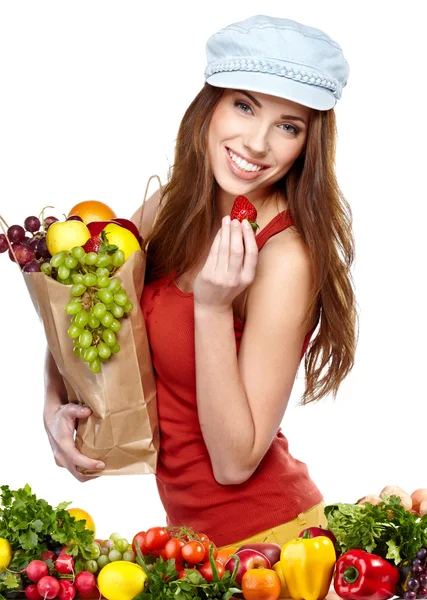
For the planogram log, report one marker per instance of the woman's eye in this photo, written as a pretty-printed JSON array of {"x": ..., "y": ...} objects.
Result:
[
  {"x": 289, "y": 128},
  {"x": 243, "y": 106}
]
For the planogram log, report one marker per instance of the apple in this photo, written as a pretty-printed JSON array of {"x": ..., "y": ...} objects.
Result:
[
  {"x": 64, "y": 235},
  {"x": 249, "y": 559},
  {"x": 96, "y": 227},
  {"x": 271, "y": 551}
]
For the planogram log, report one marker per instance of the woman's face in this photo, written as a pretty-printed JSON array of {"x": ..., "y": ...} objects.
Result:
[{"x": 254, "y": 139}]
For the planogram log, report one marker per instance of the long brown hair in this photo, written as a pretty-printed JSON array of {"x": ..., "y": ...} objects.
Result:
[{"x": 320, "y": 213}]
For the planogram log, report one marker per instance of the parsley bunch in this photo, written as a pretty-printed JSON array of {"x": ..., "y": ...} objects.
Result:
[
  {"x": 28, "y": 522},
  {"x": 386, "y": 529}
]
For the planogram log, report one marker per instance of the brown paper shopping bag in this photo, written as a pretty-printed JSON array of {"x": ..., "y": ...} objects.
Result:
[{"x": 123, "y": 428}]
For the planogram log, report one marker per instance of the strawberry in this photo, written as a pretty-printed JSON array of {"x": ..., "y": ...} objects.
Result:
[
  {"x": 99, "y": 243},
  {"x": 243, "y": 209},
  {"x": 93, "y": 244}
]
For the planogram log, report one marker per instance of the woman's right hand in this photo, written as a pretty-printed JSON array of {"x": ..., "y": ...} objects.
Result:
[{"x": 60, "y": 421}]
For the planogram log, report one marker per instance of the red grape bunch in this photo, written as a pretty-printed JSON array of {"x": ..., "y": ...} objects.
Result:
[{"x": 28, "y": 242}]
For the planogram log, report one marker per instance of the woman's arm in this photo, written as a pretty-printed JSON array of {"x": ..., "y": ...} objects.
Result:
[{"x": 241, "y": 400}]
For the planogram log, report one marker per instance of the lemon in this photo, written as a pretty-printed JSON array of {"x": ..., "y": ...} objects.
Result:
[
  {"x": 79, "y": 514},
  {"x": 121, "y": 580},
  {"x": 123, "y": 238},
  {"x": 5, "y": 554},
  {"x": 64, "y": 235}
]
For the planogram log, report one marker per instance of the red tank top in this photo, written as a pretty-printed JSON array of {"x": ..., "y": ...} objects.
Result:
[{"x": 278, "y": 490}]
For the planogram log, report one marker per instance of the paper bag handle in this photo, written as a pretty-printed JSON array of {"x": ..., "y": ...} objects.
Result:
[{"x": 145, "y": 197}]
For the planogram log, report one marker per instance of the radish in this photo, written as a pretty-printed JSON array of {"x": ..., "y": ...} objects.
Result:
[
  {"x": 85, "y": 582},
  {"x": 49, "y": 555},
  {"x": 64, "y": 564},
  {"x": 36, "y": 569},
  {"x": 48, "y": 587},
  {"x": 32, "y": 593},
  {"x": 67, "y": 590}
]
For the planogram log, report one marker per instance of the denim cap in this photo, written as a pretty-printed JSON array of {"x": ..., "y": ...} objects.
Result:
[{"x": 278, "y": 57}]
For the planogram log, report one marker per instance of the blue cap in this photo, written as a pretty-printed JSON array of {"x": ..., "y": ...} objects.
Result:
[{"x": 278, "y": 57}]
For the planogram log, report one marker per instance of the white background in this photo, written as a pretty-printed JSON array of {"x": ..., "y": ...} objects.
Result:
[{"x": 92, "y": 93}]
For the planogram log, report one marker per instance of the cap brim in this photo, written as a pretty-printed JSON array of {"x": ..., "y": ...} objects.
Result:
[{"x": 275, "y": 85}]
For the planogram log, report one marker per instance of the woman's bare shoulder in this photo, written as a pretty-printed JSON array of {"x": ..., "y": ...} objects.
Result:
[{"x": 150, "y": 209}]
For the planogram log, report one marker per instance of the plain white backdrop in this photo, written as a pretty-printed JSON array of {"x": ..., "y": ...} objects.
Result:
[{"x": 92, "y": 93}]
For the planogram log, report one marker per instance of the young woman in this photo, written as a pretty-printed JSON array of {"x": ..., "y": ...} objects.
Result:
[{"x": 230, "y": 314}]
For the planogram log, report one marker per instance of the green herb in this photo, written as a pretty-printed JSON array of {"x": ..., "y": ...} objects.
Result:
[
  {"x": 386, "y": 529},
  {"x": 28, "y": 523},
  {"x": 164, "y": 585},
  {"x": 9, "y": 582}
]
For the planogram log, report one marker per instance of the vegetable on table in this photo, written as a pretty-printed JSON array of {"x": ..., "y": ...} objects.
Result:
[
  {"x": 386, "y": 529},
  {"x": 359, "y": 574},
  {"x": 308, "y": 566}
]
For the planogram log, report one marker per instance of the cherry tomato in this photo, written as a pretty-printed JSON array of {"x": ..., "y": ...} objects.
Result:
[
  {"x": 156, "y": 553},
  {"x": 173, "y": 548},
  {"x": 206, "y": 570},
  {"x": 193, "y": 552},
  {"x": 140, "y": 539},
  {"x": 207, "y": 544},
  {"x": 203, "y": 537},
  {"x": 182, "y": 573},
  {"x": 156, "y": 538}
]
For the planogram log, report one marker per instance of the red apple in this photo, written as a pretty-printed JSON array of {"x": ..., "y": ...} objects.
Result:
[
  {"x": 271, "y": 551},
  {"x": 96, "y": 227},
  {"x": 249, "y": 559}
]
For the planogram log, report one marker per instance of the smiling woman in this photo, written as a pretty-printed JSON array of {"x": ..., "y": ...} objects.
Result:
[{"x": 230, "y": 314}]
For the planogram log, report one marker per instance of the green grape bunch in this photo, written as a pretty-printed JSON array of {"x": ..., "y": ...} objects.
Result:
[{"x": 98, "y": 301}]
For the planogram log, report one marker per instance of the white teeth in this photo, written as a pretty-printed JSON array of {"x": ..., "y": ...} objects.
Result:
[{"x": 243, "y": 164}]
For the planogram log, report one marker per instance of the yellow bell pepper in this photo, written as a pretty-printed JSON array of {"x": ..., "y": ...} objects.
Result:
[
  {"x": 308, "y": 567},
  {"x": 284, "y": 593}
]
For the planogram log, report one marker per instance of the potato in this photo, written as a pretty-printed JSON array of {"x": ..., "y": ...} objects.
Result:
[
  {"x": 417, "y": 497},
  {"x": 369, "y": 498},
  {"x": 422, "y": 510},
  {"x": 394, "y": 490}
]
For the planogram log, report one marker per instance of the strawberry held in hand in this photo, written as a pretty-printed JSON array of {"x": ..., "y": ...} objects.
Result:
[{"x": 243, "y": 209}]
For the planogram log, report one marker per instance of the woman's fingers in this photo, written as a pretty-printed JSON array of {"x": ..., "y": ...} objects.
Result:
[
  {"x": 224, "y": 246},
  {"x": 236, "y": 251},
  {"x": 250, "y": 254}
]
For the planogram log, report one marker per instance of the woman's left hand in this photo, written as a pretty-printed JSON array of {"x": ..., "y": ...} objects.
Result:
[{"x": 230, "y": 266}]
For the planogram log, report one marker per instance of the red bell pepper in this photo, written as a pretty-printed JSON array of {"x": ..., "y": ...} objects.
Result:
[{"x": 359, "y": 574}]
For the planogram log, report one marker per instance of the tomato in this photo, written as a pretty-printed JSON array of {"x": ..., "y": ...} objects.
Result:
[
  {"x": 206, "y": 570},
  {"x": 193, "y": 552},
  {"x": 173, "y": 548},
  {"x": 156, "y": 538},
  {"x": 156, "y": 553},
  {"x": 207, "y": 544},
  {"x": 182, "y": 573},
  {"x": 140, "y": 539},
  {"x": 203, "y": 537}
]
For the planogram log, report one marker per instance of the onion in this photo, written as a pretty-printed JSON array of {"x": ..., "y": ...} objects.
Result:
[
  {"x": 394, "y": 490},
  {"x": 423, "y": 508},
  {"x": 372, "y": 498},
  {"x": 417, "y": 497}
]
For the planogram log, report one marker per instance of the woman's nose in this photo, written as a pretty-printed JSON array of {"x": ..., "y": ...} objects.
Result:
[{"x": 256, "y": 142}]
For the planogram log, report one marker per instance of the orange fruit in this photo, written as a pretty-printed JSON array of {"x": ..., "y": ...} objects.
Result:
[
  {"x": 261, "y": 584},
  {"x": 92, "y": 210},
  {"x": 79, "y": 514},
  {"x": 224, "y": 553}
]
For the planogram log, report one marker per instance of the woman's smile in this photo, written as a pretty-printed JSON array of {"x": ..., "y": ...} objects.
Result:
[{"x": 242, "y": 167}]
